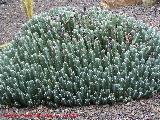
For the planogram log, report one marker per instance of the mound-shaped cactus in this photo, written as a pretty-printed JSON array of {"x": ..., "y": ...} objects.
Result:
[{"x": 67, "y": 57}]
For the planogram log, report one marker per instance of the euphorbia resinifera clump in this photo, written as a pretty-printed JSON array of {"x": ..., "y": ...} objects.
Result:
[{"x": 69, "y": 57}]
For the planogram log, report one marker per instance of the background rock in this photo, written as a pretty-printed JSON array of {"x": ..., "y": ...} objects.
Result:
[
  {"x": 119, "y": 3},
  {"x": 122, "y": 3}
]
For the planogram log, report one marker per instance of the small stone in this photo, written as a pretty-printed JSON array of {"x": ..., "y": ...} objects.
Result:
[{"x": 142, "y": 103}]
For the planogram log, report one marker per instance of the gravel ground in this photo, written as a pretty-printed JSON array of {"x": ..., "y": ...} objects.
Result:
[
  {"x": 12, "y": 16},
  {"x": 150, "y": 15},
  {"x": 136, "y": 110},
  {"x": 11, "y": 20}
]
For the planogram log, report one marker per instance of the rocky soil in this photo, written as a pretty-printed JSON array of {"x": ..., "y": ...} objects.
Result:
[
  {"x": 12, "y": 18},
  {"x": 136, "y": 110}
]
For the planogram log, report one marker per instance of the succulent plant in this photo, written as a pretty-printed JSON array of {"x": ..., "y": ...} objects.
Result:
[
  {"x": 28, "y": 7},
  {"x": 68, "y": 57}
]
